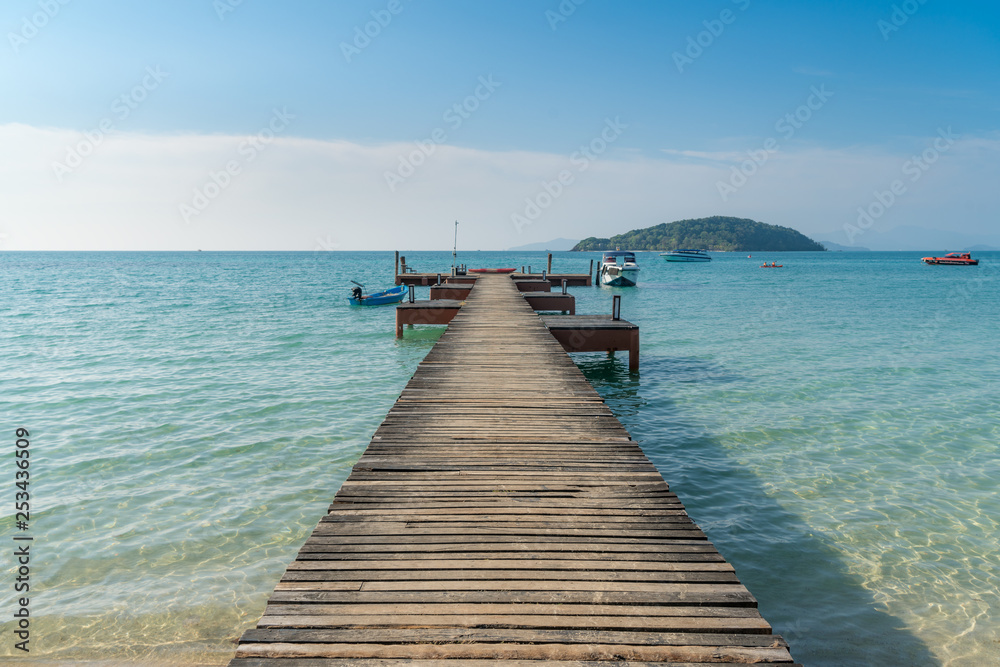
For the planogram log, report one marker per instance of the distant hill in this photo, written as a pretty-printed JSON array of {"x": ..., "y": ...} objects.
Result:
[
  {"x": 554, "y": 245},
  {"x": 715, "y": 233},
  {"x": 910, "y": 237},
  {"x": 830, "y": 245}
]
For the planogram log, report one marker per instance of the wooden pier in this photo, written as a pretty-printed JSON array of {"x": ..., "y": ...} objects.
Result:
[{"x": 501, "y": 512}]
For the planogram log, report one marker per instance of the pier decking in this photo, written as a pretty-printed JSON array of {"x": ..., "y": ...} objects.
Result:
[{"x": 501, "y": 512}]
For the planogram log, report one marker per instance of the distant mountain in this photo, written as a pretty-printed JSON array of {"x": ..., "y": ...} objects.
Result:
[
  {"x": 554, "y": 245},
  {"x": 715, "y": 233},
  {"x": 909, "y": 237},
  {"x": 830, "y": 245}
]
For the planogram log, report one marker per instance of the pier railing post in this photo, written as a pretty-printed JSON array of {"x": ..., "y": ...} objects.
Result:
[
  {"x": 550, "y": 263},
  {"x": 616, "y": 307}
]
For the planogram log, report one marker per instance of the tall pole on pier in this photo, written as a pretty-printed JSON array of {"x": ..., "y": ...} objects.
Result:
[{"x": 454, "y": 250}]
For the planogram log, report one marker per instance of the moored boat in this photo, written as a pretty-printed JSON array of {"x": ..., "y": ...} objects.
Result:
[
  {"x": 385, "y": 297},
  {"x": 615, "y": 274},
  {"x": 953, "y": 258},
  {"x": 681, "y": 255}
]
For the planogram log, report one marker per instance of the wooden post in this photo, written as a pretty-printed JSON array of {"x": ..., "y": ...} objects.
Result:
[
  {"x": 396, "y": 272},
  {"x": 591, "y": 266},
  {"x": 550, "y": 263},
  {"x": 633, "y": 352}
]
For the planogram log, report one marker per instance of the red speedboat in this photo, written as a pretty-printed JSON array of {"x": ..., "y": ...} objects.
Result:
[{"x": 956, "y": 258}]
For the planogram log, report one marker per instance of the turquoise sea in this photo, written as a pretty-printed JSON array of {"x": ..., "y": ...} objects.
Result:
[{"x": 832, "y": 425}]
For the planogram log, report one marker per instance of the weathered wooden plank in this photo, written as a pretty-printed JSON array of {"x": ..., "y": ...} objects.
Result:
[
  {"x": 463, "y": 633},
  {"x": 506, "y": 564},
  {"x": 696, "y": 597},
  {"x": 500, "y": 610},
  {"x": 470, "y": 577},
  {"x": 375, "y": 662},
  {"x": 612, "y": 652}
]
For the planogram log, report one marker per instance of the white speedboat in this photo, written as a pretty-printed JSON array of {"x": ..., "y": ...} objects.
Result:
[
  {"x": 619, "y": 269},
  {"x": 686, "y": 256}
]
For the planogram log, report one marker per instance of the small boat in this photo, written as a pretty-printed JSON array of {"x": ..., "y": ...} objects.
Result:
[
  {"x": 772, "y": 265},
  {"x": 492, "y": 270},
  {"x": 681, "y": 255},
  {"x": 391, "y": 295},
  {"x": 954, "y": 258},
  {"x": 614, "y": 274}
]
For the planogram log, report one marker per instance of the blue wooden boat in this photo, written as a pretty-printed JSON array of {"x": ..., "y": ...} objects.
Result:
[{"x": 391, "y": 295}]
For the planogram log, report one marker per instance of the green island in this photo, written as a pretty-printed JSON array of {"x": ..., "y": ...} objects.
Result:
[{"x": 717, "y": 233}]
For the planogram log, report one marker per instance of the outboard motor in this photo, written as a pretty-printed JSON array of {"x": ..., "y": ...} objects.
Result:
[{"x": 356, "y": 293}]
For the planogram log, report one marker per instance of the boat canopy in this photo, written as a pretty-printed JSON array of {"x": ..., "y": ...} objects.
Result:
[{"x": 612, "y": 254}]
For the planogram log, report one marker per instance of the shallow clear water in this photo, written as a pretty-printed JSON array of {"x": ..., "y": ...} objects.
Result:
[{"x": 832, "y": 425}]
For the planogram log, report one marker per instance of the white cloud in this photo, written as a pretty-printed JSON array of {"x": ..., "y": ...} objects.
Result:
[{"x": 299, "y": 194}]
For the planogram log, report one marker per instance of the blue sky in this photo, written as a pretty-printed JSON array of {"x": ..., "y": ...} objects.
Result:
[{"x": 671, "y": 97}]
